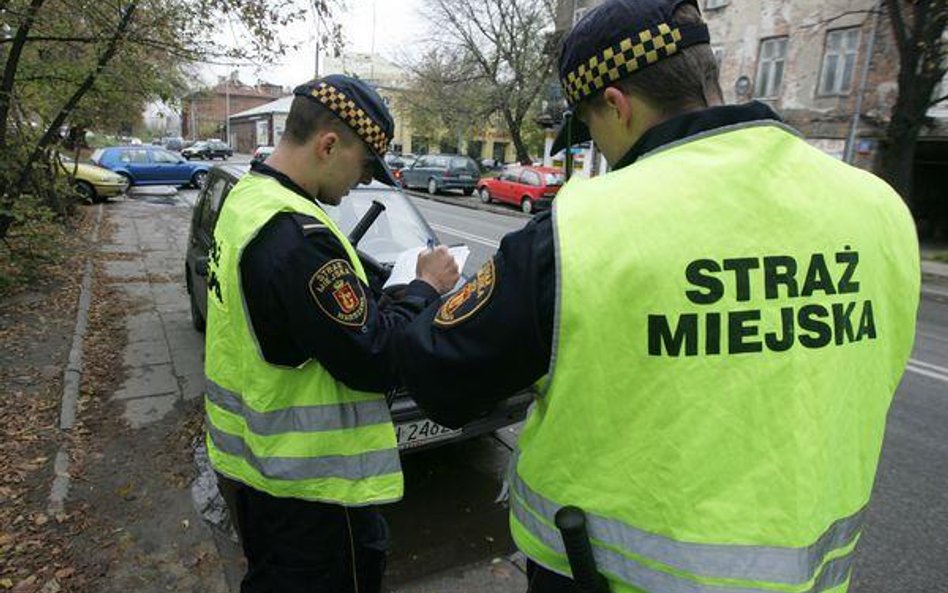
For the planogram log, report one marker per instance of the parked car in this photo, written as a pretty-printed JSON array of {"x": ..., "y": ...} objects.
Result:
[
  {"x": 174, "y": 143},
  {"x": 208, "y": 150},
  {"x": 261, "y": 154},
  {"x": 150, "y": 165},
  {"x": 400, "y": 227},
  {"x": 530, "y": 188},
  {"x": 93, "y": 184},
  {"x": 438, "y": 172},
  {"x": 398, "y": 162},
  {"x": 491, "y": 165}
]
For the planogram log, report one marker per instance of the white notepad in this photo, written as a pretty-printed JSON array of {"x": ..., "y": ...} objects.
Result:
[{"x": 404, "y": 270}]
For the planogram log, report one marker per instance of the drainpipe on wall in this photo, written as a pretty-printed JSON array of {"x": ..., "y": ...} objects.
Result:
[{"x": 850, "y": 153}]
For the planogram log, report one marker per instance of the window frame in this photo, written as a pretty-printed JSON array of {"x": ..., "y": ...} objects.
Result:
[
  {"x": 840, "y": 56},
  {"x": 775, "y": 92}
]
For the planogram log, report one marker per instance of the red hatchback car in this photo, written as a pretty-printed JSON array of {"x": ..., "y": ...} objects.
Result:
[{"x": 531, "y": 188}]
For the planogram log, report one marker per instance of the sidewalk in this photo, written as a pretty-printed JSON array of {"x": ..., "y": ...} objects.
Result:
[{"x": 147, "y": 535}]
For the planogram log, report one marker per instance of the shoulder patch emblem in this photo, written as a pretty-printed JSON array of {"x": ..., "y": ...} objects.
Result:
[
  {"x": 339, "y": 294},
  {"x": 471, "y": 297}
]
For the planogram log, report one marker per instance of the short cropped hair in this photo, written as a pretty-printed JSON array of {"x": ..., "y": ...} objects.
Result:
[
  {"x": 307, "y": 117},
  {"x": 686, "y": 81}
]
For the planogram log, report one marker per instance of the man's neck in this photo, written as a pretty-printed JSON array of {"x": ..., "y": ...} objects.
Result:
[{"x": 293, "y": 163}]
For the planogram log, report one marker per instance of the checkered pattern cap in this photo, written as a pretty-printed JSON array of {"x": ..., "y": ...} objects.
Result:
[
  {"x": 615, "y": 40},
  {"x": 361, "y": 108}
]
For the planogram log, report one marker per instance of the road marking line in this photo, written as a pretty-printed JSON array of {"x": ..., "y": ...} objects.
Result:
[
  {"x": 465, "y": 235},
  {"x": 927, "y": 369},
  {"x": 927, "y": 373},
  {"x": 928, "y": 365}
]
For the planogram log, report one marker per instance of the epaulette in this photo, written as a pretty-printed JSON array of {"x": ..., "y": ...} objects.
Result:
[{"x": 309, "y": 225}]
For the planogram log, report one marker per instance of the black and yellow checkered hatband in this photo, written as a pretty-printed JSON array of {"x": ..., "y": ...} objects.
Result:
[
  {"x": 620, "y": 60},
  {"x": 354, "y": 116}
]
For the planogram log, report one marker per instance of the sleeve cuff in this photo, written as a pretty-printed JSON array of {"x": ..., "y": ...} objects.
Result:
[{"x": 422, "y": 290}]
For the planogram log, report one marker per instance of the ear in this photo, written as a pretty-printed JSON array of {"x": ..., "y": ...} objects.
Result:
[
  {"x": 326, "y": 144},
  {"x": 619, "y": 105}
]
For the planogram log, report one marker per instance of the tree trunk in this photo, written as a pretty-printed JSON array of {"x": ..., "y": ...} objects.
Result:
[
  {"x": 898, "y": 155},
  {"x": 514, "y": 128},
  {"x": 10, "y": 68},
  {"x": 52, "y": 131}
]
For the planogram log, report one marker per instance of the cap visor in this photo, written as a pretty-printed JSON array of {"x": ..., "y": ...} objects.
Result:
[
  {"x": 580, "y": 134},
  {"x": 382, "y": 172}
]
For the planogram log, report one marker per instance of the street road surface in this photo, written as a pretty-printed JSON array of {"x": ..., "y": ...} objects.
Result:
[{"x": 449, "y": 517}]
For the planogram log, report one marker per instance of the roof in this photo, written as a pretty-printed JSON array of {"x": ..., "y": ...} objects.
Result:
[{"x": 281, "y": 105}]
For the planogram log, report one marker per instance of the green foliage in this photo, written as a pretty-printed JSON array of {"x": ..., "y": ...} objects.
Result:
[
  {"x": 83, "y": 65},
  {"x": 35, "y": 243}
]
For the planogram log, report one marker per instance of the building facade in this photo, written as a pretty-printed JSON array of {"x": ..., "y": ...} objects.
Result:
[
  {"x": 261, "y": 126},
  {"x": 828, "y": 67},
  {"x": 204, "y": 113}
]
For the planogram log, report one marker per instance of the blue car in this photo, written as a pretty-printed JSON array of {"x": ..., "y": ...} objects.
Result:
[{"x": 150, "y": 165}]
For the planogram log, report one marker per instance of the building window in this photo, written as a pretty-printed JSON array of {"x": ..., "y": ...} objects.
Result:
[
  {"x": 839, "y": 61},
  {"x": 773, "y": 54},
  {"x": 712, "y": 4}
]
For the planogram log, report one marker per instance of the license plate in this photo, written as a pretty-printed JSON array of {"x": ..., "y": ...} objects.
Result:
[{"x": 412, "y": 434}]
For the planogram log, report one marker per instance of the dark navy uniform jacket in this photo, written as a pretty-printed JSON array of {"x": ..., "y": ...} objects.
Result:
[
  {"x": 292, "y": 327},
  {"x": 457, "y": 371}
]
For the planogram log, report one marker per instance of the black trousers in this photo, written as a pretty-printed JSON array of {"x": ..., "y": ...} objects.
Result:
[
  {"x": 542, "y": 580},
  {"x": 298, "y": 546}
]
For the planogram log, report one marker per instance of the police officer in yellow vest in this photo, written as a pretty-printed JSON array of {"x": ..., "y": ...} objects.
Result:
[
  {"x": 717, "y": 327},
  {"x": 297, "y": 353}
]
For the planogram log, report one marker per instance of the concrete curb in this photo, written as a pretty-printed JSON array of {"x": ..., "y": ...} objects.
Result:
[
  {"x": 72, "y": 377},
  {"x": 469, "y": 202}
]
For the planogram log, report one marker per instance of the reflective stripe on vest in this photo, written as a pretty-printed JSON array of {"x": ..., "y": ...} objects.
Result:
[
  {"x": 349, "y": 467},
  {"x": 334, "y": 416},
  {"x": 791, "y": 566}
]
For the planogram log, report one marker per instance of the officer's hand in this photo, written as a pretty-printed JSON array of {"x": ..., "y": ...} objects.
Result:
[{"x": 438, "y": 268}]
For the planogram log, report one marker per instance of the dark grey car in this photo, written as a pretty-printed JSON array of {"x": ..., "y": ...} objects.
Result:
[
  {"x": 398, "y": 228},
  {"x": 438, "y": 172}
]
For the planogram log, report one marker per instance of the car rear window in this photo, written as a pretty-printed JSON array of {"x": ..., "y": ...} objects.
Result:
[
  {"x": 554, "y": 178},
  {"x": 463, "y": 163}
]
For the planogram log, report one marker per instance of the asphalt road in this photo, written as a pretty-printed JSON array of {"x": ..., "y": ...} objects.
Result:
[{"x": 449, "y": 517}]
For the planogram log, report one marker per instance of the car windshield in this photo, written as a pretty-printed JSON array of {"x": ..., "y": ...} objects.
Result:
[
  {"x": 463, "y": 163},
  {"x": 398, "y": 228},
  {"x": 554, "y": 178}
]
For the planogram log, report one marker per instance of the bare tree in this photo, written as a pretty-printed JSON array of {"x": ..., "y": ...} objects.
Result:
[
  {"x": 919, "y": 30},
  {"x": 502, "y": 44}
]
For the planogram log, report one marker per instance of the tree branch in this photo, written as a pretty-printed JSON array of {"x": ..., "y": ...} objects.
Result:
[
  {"x": 53, "y": 129},
  {"x": 824, "y": 22},
  {"x": 13, "y": 62}
]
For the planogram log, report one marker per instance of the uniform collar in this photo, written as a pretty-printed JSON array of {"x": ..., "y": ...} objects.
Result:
[
  {"x": 696, "y": 122},
  {"x": 283, "y": 179}
]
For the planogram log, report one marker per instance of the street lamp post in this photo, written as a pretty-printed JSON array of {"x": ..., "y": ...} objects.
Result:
[{"x": 227, "y": 112}]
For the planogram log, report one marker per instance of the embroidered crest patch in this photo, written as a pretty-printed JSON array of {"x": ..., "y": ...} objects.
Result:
[
  {"x": 339, "y": 294},
  {"x": 469, "y": 299}
]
